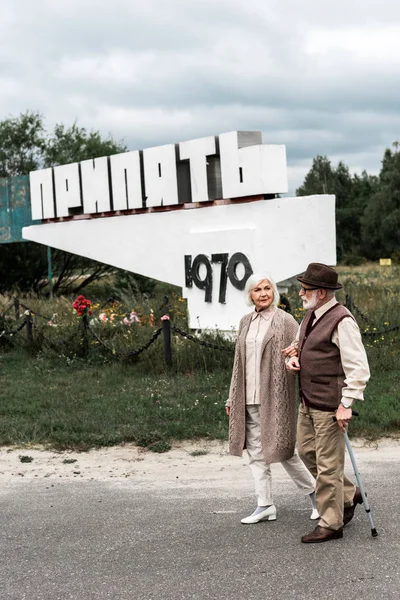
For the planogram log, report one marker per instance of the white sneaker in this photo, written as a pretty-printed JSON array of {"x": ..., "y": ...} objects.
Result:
[
  {"x": 269, "y": 514},
  {"x": 314, "y": 514}
]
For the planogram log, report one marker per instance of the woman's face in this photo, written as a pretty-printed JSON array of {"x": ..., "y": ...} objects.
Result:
[{"x": 262, "y": 295}]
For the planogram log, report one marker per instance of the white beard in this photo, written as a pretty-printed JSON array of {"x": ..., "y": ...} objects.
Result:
[{"x": 310, "y": 303}]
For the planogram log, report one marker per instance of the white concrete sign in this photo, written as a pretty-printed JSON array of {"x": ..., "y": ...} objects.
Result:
[
  {"x": 154, "y": 220},
  {"x": 168, "y": 175}
]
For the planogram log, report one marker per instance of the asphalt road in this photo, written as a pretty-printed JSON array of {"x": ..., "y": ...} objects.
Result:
[{"x": 92, "y": 540}]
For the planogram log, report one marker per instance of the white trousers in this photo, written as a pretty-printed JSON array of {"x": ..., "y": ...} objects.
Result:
[{"x": 261, "y": 471}]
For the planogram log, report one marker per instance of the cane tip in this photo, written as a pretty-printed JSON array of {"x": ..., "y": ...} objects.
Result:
[{"x": 374, "y": 532}]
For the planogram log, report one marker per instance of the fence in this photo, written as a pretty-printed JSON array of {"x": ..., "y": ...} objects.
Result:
[
  {"x": 85, "y": 331},
  {"x": 34, "y": 333}
]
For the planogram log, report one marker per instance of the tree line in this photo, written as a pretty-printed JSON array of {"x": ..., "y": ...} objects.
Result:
[{"x": 367, "y": 206}]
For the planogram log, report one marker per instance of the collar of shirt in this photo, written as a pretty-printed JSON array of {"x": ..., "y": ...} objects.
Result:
[
  {"x": 264, "y": 314},
  {"x": 322, "y": 309}
]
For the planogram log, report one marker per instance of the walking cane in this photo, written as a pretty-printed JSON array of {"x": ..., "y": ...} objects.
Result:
[{"x": 374, "y": 532}]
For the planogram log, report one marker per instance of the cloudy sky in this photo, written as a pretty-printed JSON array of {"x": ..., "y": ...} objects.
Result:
[{"x": 321, "y": 77}]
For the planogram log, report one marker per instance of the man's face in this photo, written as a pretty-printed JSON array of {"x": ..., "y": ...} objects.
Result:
[{"x": 309, "y": 297}]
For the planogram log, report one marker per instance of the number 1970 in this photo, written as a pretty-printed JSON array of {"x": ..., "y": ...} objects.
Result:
[{"x": 228, "y": 271}]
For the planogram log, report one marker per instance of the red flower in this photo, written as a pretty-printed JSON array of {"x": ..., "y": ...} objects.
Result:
[{"x": 81, "y": 306}]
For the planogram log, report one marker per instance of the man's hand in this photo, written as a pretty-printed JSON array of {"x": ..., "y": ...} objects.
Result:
[
  {"x": 343, "y": 416},
  {"x": 293, "y": 364},
  {"x": 228, "y": 410},
  {"x": 290, "y": 351}
]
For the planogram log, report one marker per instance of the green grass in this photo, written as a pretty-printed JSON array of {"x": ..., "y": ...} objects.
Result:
[
  {"x": 51, "y": 396},
  {"x": 380, "y": 411},
  {"x": 47, "y": 402},
  {"x": 79, "y": 406}
]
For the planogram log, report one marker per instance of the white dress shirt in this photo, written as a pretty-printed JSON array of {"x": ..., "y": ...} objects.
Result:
[{"x": 260, "y": 323}]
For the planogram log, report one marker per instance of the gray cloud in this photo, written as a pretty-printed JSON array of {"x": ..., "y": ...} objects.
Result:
[{"x": 320, "y": 81}]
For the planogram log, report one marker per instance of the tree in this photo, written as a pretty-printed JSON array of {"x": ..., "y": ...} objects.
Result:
[
  {"x": 352, "y": 195},
  {"x": 25, "y": 146},
  {"x": 320, "y": 179},
  {"x": 22, "y": 142},
  {"x": 74, "y": 144},
  {"x": 381, "y": 220}
]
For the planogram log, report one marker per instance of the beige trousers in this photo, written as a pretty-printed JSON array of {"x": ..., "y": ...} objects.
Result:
[
  {"x": 322, "y": 447},
  {"x": 261, "y": 471}
]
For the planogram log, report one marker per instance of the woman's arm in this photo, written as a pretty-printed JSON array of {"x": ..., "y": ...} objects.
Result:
[
  {"x": 232, "y": 386},
  {"x": 291, "y": 350}
]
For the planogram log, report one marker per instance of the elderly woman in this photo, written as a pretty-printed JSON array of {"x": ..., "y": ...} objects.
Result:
[{"x": 262, "y": 397}]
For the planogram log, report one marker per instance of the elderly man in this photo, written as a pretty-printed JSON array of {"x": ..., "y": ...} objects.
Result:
[{"x": 333, "y": 372}]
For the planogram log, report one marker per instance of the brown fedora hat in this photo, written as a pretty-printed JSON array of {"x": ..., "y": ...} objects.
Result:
[{"x": 320, "y": 276}]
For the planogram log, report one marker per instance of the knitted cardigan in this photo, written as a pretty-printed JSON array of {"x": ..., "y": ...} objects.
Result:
[{"x": 277, "y": 391}]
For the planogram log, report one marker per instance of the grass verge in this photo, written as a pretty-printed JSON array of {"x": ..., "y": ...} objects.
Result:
[
  {"x": 80, "y": 406},
  {"x": 51, "y": 396}
]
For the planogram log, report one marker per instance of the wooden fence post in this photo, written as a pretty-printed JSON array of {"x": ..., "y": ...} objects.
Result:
[
  {"x": 166, "y": 325},
  {"x": 28, "y": 324}
]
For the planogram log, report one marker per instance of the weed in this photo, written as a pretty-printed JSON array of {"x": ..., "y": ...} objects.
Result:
[
  {"x": 160, "y": 447},
  {"x": 26, "y": 459}
]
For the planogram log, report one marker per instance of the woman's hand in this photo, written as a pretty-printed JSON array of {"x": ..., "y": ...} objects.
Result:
[
  {"x": 228, "y": 410},
  {"x": 293, "y": 364},
  {"x": 290, "y": 351}
]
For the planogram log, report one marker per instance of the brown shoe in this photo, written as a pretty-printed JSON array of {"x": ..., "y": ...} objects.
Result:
[
  {"x": 348, "y": 512},
  {"x": 322, "y": 534}
]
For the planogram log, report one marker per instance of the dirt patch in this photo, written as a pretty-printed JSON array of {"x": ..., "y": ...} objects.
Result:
[{"x": 188, "y": 463}]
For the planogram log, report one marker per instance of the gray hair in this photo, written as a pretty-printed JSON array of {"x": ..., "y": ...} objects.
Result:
[
  {"x": 253, "y": 281},
  {"x": 330, "y": 293}
]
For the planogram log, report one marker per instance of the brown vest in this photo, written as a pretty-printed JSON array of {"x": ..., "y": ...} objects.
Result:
[{"x": 321, "y": 373}]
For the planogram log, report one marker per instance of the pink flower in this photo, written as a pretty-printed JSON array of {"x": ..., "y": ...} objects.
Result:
[{"x": 103, "y": 317}]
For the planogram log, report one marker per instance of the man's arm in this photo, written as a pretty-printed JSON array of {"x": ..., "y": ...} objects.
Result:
[
  {"x": 347, "y": 338},
  {"x": 354, "y": 360}
]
